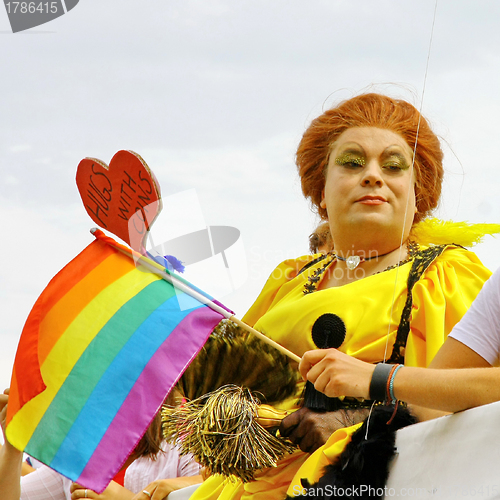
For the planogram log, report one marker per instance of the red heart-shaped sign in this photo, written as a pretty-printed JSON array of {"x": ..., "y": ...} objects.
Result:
[{"x": 123, "y": 198}]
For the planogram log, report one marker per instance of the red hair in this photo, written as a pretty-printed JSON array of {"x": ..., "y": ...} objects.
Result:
[{"x": 372, "y": 110}]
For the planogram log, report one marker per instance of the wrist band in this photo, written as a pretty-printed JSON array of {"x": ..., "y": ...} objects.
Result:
[
  {"x": 378, "y": 384},
  {"x": 390, "y": 391}
]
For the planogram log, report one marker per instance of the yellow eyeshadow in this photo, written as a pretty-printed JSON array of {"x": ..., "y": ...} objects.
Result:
[
  {"x": 349, "y": 158},
  {"x": 401, "y": 164}
]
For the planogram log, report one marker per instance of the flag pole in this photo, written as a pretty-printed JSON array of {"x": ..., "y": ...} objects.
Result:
[{"x": 182, "y": 285}]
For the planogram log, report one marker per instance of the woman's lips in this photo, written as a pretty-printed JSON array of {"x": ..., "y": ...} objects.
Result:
[{"x": 372, "y": 200}]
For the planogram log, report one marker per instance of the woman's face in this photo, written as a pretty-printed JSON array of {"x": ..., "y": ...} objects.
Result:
[{"x": 370, "y": 186}]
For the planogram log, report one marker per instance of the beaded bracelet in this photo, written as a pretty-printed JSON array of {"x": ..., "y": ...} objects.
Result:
[
  {"x": 390, "y": 386},
  {"x": 387, "y": 384}
]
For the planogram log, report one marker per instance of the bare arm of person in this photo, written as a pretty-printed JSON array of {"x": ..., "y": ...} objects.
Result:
[
  {"x": 161, "y": 488},
  {"x": 25, "y": 467},
  {"x": 448, "y": 389},
  {"x": 10, "y": 459},
  {"x": 336, "y": 374},
  {"x": 454, "y": 354},
  {"x": 310, "y": 429},
  {"x": 114, "y": 491}
]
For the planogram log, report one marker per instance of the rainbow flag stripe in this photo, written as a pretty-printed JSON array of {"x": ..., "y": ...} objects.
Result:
[{"x": 101, "y": 348}]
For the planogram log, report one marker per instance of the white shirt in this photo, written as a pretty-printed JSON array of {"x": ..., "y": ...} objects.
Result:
[
  {"x": 46, "y": 484},
  {"x": 479, "y": 328}
]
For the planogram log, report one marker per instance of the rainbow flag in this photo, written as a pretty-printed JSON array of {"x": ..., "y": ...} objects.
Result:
[{"x": 102, "y": 347}]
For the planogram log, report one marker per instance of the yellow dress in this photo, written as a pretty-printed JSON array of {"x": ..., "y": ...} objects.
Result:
[{"x": 371, "y": 309}]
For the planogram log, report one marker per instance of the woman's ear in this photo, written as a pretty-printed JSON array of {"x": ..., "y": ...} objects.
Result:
[
  {"x": 322, "y": 203},
  {"x": 416, "y": 190}
]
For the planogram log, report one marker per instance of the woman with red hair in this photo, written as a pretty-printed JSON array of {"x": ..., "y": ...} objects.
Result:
[
  {"x": 392, "y": 288},
  {"x": 372, "y": 110}
]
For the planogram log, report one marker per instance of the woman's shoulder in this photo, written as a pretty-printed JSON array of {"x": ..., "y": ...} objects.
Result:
[
  {"x": 280, "y": 281},
  {"x": 290, "y": 268},
  {"x": 454, "y": 239},
  {"x": 449, "y": 255},
  {"x": 455, "y": 277}
]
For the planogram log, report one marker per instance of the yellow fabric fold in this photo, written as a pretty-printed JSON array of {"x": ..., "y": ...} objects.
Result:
[{"x": 312, "y": 468}]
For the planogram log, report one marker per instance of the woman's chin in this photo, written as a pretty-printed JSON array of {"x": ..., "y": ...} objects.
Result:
[
  {"x": 369, "y": 220},
  {"x": 377, "y": 227}
]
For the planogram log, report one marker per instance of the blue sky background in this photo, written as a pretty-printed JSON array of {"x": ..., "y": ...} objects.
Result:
[{"x": 215, "y": 96}]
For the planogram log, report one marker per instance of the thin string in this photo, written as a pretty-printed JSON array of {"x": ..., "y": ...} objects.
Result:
[
  {"x": 411, "y": 175},
  {"x": 406, "y": 209},
  {"x": 368, "y": 420}
]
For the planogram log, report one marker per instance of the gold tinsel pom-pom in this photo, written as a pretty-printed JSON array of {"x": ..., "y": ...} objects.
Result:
[
  {"x": 434, "y": 231},
  {"x": 234, "y": 356},
  {"x": 221, "y": 431}
]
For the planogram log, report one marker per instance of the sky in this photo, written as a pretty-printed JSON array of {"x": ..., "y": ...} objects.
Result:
[{"x": 215, "y": 96}]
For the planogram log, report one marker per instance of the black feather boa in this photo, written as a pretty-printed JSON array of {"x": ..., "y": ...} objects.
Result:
[{"x": 362, "y": 469}]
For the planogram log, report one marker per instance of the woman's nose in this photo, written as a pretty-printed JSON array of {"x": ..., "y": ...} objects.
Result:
[{"x": 372, "y": 174}]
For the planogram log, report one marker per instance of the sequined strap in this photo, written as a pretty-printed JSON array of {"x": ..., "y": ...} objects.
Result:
[
  {"x": 314, "y": 261},
  {"x": 421, "y": 261},
  {"x": 348, "y": 403}
]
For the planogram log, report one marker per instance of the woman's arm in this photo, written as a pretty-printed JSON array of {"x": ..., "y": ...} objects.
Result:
[
  {"x": 10, "y": 460},
  {"x": 335, "y": 374}
]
